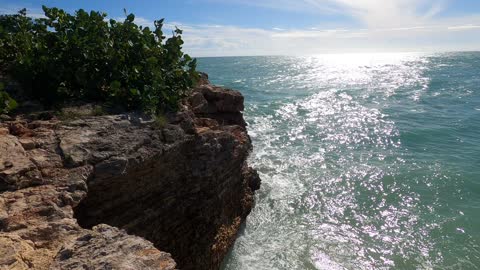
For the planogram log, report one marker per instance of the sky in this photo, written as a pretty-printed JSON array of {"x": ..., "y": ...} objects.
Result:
[{"x": 297, "y": 27}]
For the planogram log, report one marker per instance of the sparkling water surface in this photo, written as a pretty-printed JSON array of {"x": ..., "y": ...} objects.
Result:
[{"x": 368, "y": 161}]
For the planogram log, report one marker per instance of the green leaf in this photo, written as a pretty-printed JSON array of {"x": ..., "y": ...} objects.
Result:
[
  {"x": 130, "y": 18},
  {"x": 115, "y": 85},
  {"x": 134, "y": 92},
  {"x": 7, "y": 104},
  {"x": 178, "y": 31}
]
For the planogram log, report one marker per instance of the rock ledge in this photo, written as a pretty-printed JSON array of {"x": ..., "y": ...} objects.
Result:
[{"x": 120, "y": 192}]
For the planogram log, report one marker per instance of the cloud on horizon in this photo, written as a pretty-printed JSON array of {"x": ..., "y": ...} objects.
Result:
[{"x": 385, "y": 25}]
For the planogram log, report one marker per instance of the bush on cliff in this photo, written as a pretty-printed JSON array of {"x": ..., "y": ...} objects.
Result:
[
  {"x": 84, "y": 56},
  {"x": 7, "y": 103}
]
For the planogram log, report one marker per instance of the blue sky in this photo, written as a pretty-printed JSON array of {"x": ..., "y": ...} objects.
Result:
[{"x": 266, "y": 27}]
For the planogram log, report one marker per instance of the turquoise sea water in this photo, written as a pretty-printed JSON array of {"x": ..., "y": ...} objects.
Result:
[{"x": 368, "y": 161}]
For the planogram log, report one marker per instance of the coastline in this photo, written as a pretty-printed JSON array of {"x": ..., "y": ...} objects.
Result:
[{"x": 182, "y": 187}]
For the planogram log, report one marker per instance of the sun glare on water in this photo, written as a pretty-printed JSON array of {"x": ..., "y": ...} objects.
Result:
[{"x": 346, "y": 182}]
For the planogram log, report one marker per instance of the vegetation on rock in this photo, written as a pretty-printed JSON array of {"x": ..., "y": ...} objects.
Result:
[
  {"x": 84, "y": 56},
  {"x": 6, "y": 102}
]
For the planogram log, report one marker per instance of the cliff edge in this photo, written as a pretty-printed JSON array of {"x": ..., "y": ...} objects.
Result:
[{"x": 124, "y": 191}]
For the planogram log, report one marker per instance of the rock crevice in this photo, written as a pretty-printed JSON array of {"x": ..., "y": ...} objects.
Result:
[{"x": 119, "y": 192}]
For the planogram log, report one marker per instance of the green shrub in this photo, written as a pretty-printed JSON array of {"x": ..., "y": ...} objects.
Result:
[
  {"x": 66, "y": 57},
  {"x": 7, "y": 103}
]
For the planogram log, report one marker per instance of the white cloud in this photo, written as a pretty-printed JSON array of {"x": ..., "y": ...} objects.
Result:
[
  {"x": 207, "y": 40},
  {"x": 391, "y": 13},
  {"x": 464, "y": 27},
  {"x": 385, "y": 25},
  {"x": 144, "y": 22},
  {"x": 372, "y": 13}
]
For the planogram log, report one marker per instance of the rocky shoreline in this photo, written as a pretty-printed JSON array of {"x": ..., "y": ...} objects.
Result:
[{"x": 123, "y": 191}]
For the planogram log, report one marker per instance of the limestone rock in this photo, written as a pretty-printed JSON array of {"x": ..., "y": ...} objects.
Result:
[
  {"x": 181, "y": 189},
  {"x": 16, "y": 169},
  {"x": 106, "y": 247}
]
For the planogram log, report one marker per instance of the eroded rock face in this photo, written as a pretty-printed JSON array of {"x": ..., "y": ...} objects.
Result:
[
  {"x": 106, "y": 247},
  {"x": 184, "y": 188}
]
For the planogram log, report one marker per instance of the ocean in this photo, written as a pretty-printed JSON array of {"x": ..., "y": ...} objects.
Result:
[{"x": 368, "y": 161}]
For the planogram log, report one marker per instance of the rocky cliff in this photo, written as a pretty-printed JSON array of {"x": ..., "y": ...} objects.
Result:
[{"x": 124, "y": 191}]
